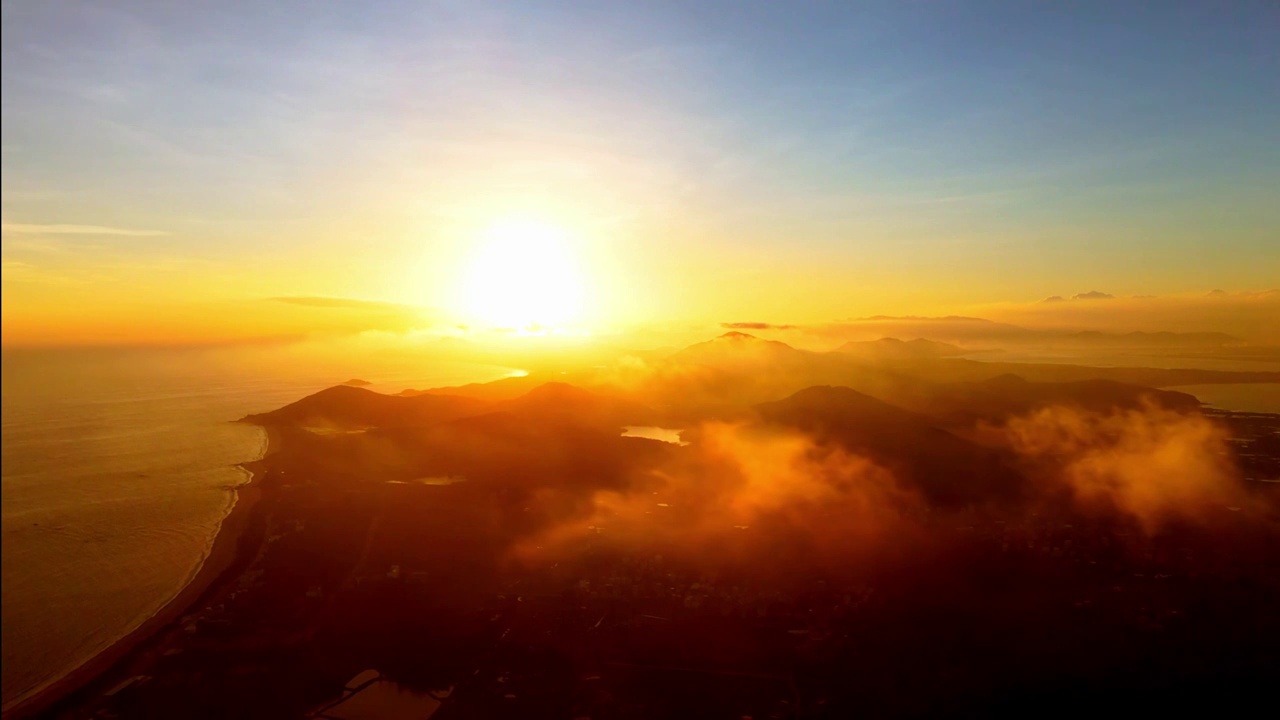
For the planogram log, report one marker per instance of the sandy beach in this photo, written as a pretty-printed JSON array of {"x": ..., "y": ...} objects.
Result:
[{"x": 223, "y": 555}]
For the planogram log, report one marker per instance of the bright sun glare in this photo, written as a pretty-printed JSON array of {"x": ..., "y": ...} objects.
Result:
[{"x": 523, "y": 275}]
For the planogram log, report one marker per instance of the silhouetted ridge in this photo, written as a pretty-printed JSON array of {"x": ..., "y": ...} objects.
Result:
[
  {"x": 504, "y": 389},
  {"x": 351, "y": 407},
  {"x": 944, "y": 467},
  {"x": 734, "y": 348},
  {"x": 895, "y": 349},
  {"x": 826, "y": 399},
  {"x": 968, "y": 330},
  {"x": 1159, "y": 339},
  {"x": 559, "y": 401},
  {"x": 558, "y": 392},
  {"x": 1007, "y": 380}
]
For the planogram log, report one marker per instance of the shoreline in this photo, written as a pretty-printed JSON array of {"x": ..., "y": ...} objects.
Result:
[{"x": 223, "y": 555}]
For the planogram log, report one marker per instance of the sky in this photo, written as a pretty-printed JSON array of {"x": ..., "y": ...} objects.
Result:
[{"x": 203, "y": 172}]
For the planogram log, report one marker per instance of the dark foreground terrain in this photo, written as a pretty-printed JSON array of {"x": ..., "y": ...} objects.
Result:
[{"x": 916, "y": 547}]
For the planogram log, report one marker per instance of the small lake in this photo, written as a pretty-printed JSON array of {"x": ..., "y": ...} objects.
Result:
[{"x": 670, "y": 435}]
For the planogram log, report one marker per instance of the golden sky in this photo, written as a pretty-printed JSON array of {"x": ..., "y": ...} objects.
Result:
[{"x": 208, "y": 177}]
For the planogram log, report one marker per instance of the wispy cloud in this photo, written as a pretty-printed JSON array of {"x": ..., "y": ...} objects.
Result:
[
  {"x": 1251, "y": 315},
  {"x": 331, "y": 316},
  {"x": 1091, "y": 295},
  {"x": 17, "y": 271},
  {"x": 64, "y": 229},
  {"x": 16, "y": 268},
  {"x": 320, "y": 301},
  {"x": 755, "y": 326}
]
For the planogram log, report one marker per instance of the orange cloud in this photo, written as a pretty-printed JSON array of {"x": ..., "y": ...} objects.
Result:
[
  {"x": 1153, "y": 464},
  {"x": 742, "y": 494}
]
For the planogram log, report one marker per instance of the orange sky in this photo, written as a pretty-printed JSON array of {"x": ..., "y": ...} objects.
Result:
[{"x": 164, "y": 178}]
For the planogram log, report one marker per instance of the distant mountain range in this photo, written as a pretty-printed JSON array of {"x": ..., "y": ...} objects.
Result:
[
  {"x": 739, "y": 348},
  {"x": 895, "y": 349},
  {"x": 738, "y": 369},
  {"x": 968, "y": 330},
  {"x": 911, "y": 408},
  {"x": 728, "y": 375},
  {"x": 1147, "y": 339},
  {"x": 561, "y": 402}
]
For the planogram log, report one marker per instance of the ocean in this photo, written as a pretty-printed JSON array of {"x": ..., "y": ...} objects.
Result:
[
  {"x": 1245, "y": 397},
  {"x": 118, "y": 469}
]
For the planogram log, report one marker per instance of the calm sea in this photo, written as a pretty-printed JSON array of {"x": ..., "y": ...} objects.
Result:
[
  {"x": 117, "y": 470},
  {"x": 1246, "y": 397}
]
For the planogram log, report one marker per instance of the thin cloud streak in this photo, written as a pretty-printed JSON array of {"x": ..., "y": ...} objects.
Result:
[
  {"x": 65, "y": 229},
  {"x": 338, "y": 302}
]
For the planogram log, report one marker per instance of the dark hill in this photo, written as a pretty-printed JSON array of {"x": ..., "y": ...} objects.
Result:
[
  {"x": 344, "y": 406},
  {"x": 565, "y": 403},
  {"x": 495, "y": 391},
  {"x": 729, "y": 374},
  {"x": 512, "y": 452},
  {"x": 943, "y": 467},
  {"x": 736, "y": 348}
]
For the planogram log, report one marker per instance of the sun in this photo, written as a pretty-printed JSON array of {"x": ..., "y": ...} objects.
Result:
[{"x": 522, "y": 275}]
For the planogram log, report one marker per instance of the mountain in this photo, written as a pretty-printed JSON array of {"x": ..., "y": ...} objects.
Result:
[
  {"x": 344, "y": 406},
  {"x": 1093, "y": 338},
  {"x": 942, "y": 466},
  {"x": 494, "y": 391},
  {"x": 727, "y": 375},
  {"x": 959, "y": 329},
  {"x": 738, "y": 348},
  {"x": 564, "y": 403},
  {"x": 946, "y": 370},
  {"x": 895, "y": 349},
  {"x": 952, "y": 328}
]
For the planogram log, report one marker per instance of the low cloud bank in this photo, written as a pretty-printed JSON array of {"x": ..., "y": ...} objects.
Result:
[
  {"x": 775, "y": 501},
  {"x": 747, "y": 495},
  {"x": 1154, "y": 465}
]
